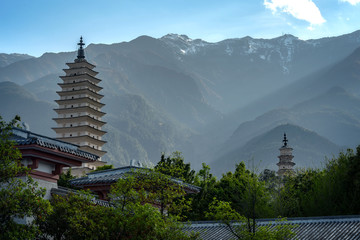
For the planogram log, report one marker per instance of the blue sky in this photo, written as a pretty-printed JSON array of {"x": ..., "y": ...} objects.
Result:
[{"x": 39, "y": 26}]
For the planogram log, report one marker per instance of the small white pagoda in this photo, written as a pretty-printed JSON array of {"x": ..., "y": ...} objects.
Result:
[{"x": 285, "y": 159}]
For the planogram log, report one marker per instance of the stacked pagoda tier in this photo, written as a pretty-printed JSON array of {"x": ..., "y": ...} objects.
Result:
[
  {"x": 285, "y": 163},
  {"x": 79, "y": 112}
]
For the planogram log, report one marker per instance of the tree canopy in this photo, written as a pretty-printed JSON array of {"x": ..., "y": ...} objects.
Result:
[
  {"x": 20, "y": 197},
  {"x": 148, "y": 204}
]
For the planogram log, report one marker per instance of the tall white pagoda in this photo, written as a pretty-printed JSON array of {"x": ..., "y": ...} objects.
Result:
[
  {"x": 79, "y": 112},
  {"x": 285, "y": 159}
]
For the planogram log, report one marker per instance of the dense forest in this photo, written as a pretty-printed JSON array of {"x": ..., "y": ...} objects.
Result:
[{"x": 241, "y": 195}]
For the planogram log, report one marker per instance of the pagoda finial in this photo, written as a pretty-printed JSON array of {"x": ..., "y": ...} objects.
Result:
[
  {"x": 285, "y": 140},
  {"x": 81, "y": 54}
]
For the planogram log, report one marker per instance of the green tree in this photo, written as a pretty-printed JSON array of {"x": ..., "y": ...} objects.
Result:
[
  {"x": 232, "y": 187},
  {"x": 10, "y": 156},
  {"x": 294, "y": 197},
  {"x": 255, "y": 201},
  {"x": 157, "y": 189},
  {"x": 74, "y": 217},
  {"x": 174, "y": 166},
  {"x": 339, "y": 183},
  {"x": 105, "y": 167},
  {"x": 65, "y": 178},
  {"x": 134, "y": 198},
  {"x": 334, "y": 190},
  {"x": 20, "y": 197},
  {"x": 200, "y": 202}
]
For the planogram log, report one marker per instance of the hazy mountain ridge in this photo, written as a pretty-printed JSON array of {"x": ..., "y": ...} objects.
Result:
[
  {"x": 18, "y": 101},
  {"x": 223, "y": 79},
  {"x": 135, "y": 130},
  {"x": 237, "y": 67},
  {"x": 7, "y": 59},
  {"x": 261, "y": 151},
  {"x": 139, "y": 131},
  {"x": 181, "y": 85},
  {"x": 334, "y": 115},
  {"x": 344, "y": 73},
  {"x": 22, "y": 72}
]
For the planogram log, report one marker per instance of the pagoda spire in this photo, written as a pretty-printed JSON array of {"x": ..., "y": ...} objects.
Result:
[
  {"x": 285, "y": 140},
  {"x": 81, "y": 54}
]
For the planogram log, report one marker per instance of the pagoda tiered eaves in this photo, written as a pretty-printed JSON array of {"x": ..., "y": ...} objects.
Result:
[
  {"x": 93, "y": 151},
  {"x": 75, "y": 70},
  {"x": 84, "y": 84},
  {"x": 83, "y": 138},
  {"x": 285, "y": 163},
  {"x": 84, "y": 118},
  {"x": 80, "y": 64},
  {"x": 82, "y": 92},
  {"x": 81, "y": 100},
  {"x": 68, "y": 79},
  {"x": 79, "y": 112},
  {"x": 82, "y": 128}
]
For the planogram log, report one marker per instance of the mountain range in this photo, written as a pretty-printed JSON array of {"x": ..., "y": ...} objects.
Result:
[{"x": 219, "y": 103}]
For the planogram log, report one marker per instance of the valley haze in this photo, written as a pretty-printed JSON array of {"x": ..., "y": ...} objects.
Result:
[{"x": 219, "y": 103}]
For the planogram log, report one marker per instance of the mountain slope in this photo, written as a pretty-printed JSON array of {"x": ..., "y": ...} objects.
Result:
[
  {"x": 16, "y": 100},
  {"x": 184, "y": 83},
  {"x": 334, "y": 115},
  {"x": 229, "y": 74},
  {"x": 310, "y": 150},
  {"x": 29, "y": 70},
  {"x": 7, "y": 59},
  {"x": 139, "y": 131},
  {"x": 345, "y": 74},
  {"x": 135, "y": 129},
  {"x": 235, "y": 72}
]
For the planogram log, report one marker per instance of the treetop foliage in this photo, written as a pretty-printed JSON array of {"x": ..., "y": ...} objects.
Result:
[
  {"x": 174, "y": 166},
  {"x": 147, "y": 204},
  {"x": 20, "y": 196}
]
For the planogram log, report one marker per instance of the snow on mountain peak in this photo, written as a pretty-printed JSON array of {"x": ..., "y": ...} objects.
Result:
[
  {"x": 183, "y": 44},
  {"x": 176, "y": 37}
]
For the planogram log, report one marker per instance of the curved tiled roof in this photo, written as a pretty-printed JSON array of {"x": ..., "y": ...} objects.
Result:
[
  {"x": 97, "y": 180},
  {"x": 24, "y": 137},
  {"x": 112, "y": 175},
  {"x": 332, "y": 227}
]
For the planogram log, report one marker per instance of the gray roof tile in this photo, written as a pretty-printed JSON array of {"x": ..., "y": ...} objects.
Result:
[
  {"x": 329, "y": 228},
  {"x": 112, "y": 175},
  {"x": 24, "y": 137}
]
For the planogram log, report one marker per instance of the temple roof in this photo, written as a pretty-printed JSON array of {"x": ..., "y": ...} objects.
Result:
[
  {"x": 331, "y": 227},
  {"x": 111, "y": 176},
  {"x": 25, "y": 137}
]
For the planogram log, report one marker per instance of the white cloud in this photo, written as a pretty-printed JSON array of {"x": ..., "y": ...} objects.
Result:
[
  {"x": 352, "y": 2},
  {"x": 311, "y": 28},
  {"x": 300, "y": 9}
]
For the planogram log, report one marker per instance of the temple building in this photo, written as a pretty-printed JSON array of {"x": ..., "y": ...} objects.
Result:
[
  {"x": 46, "y": 157},
  {"x": 79, "y": 113},
  {"x": 99, "y": 182},
  {"x": 285, "y": 159}
]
